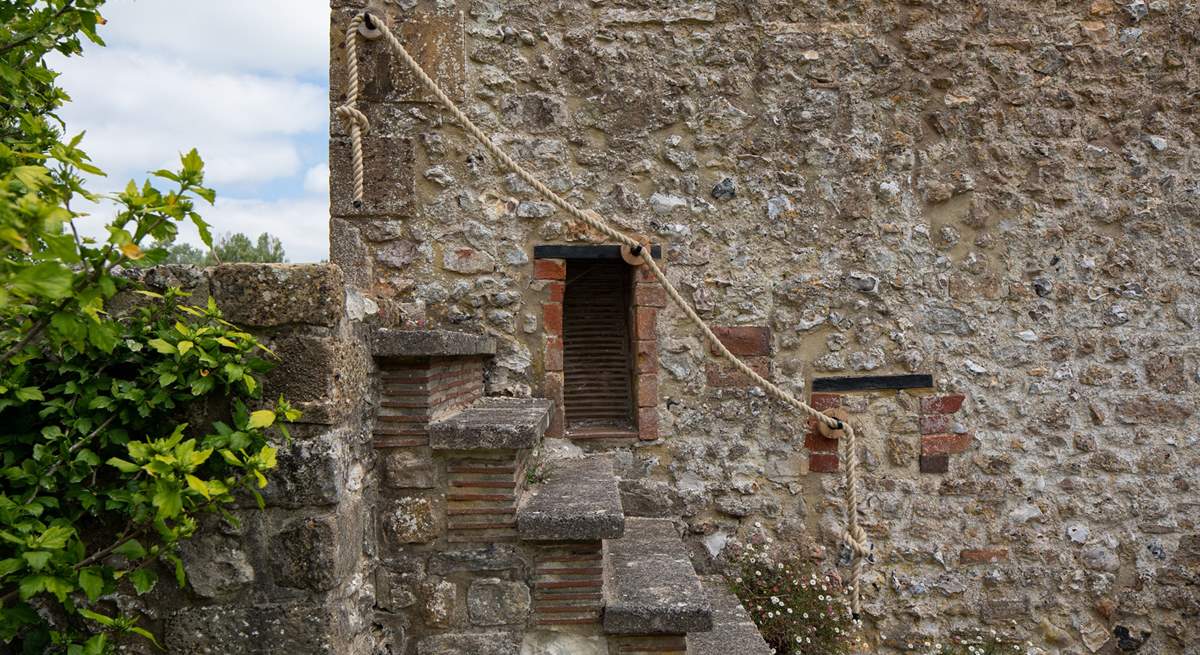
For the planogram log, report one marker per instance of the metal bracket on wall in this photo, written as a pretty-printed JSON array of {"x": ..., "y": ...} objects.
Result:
[{"x": 873, "y": 383}]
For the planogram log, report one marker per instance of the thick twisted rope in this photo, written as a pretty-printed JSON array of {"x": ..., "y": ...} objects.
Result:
[
  {"x": 349, "y": 112},
  {"x": 854, "y": 537}
]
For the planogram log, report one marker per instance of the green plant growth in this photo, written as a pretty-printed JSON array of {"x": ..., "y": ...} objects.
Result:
[
  {"x": 100, "y": 476},
  {"x": 797, "y": 608}
]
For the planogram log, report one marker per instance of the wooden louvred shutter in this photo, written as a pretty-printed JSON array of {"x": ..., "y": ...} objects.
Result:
[{"x": 597, "y": 380}]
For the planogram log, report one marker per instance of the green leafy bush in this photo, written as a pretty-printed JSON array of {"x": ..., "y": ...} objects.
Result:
[
  {"x": 101, "y": 474},
  {"x": 797, "y": 608}
]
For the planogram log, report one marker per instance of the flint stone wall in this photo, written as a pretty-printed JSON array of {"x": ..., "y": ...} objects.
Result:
[{"x": 1004, "y": 194}]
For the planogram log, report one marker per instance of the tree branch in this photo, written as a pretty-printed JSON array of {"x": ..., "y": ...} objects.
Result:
[{"x": 28, "y": 37}]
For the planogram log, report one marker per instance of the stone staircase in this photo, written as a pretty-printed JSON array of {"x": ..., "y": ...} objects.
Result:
[{"x": 577, "y": 571}]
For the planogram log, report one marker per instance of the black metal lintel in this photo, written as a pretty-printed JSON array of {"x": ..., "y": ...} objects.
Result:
[
  {"x": 585, "y": 252},
  {"x": 873, "y": 382}
]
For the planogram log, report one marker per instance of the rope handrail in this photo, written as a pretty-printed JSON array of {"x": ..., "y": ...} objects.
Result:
[{"x": 854, "y": 537}]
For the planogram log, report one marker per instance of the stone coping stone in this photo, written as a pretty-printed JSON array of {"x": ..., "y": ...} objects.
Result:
[
  {"x": 578, "y": 501},
  {"x": 650, "y": 587},
  {"x": 733, "y": 629},
  {"x": 493, "y": 424},
  {"x": 394, "y": 343}
]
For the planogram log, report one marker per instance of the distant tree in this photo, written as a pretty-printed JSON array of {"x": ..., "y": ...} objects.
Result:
[
  {"x": 238, "y": 247},
  {"x": 229, "y": 248}
]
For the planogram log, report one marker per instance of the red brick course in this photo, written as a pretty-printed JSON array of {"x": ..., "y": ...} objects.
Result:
[
  {"x": 648, "y": 423},
  {"x": 723, "y": 374},
  {"x": 648, "y": 294},
  {"x": 942, "y": 404},
  {"x": 745, "y": 341},
  {"x": 549, "y": 269},
  {"x": 945, "y": 444},
  {"x": 823, "y": 463},
  {"x": 982, "y": 555},
  {"x": 552, "y": 319}
]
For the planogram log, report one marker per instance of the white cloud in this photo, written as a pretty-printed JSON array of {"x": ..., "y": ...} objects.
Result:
[
  {"x": 140, "y": 111},
  {"x": 242, "y": 81},
  {"x": 287, "y": 37},
  {"x": 302, "y": 224},
  {"x": 316, "y": 180}
]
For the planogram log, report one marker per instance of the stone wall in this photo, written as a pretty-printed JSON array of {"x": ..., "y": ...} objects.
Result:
[
  {"x": 295, "y": 577},
  {"x": 1003, "y": 195}
]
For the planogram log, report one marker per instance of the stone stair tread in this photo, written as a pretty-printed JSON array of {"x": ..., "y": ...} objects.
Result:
[
  {"x": 578, "y": 501},
  {"x": 733, "y": 630},
  {"x": 396, "y": 343},
  {"x": 650, "y": 587},
  {"x": 493, "y": 423}
]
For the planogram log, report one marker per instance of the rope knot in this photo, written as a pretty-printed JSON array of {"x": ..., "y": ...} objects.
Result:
[{"x": 352, "y": 117}]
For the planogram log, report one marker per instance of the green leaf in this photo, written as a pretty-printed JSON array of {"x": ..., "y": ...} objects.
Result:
[
  {"x": 166, "y": 379},
  {"x": 92, "y": 583},
  {"x": 96, "y": 645},
  {"x": 167, "y": 498},
  {"x": 139, "y": 450},
  {"x": 184, "y": 346},
  {"x": 37, "y": 559},
  {"x": 49, "y": 279},
  {"x": 32, "y": 176},
  {"x": 202, "y": 385},
  {"x": 263, "y": 418},
  {"x": 32, "y": 585},
  {"x": 143, "y": 580},
  {"x": 131, "y": 550},
  {"x": 162, "y": 346},
  {"x": 97, "y": 617},
  {"x": 202, "y": 228},
  {"x": 10, "y": 566},
  {"x": 29, "y": 393},
  {"x": 55, "y": 537},
  {"x": 102, "y": 336},
  {"x": 144, "y": 633},
  {"x": 197, "y": 485}
]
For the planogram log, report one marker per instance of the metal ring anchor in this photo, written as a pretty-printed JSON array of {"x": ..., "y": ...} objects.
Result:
[{"x": 367, "y": 28}]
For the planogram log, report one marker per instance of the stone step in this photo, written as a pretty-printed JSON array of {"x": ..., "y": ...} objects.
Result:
[
  {"x": 493, "y": 424},
  {"x": 577, "y": 501},
  {"x": 733, "y": 630},
  {"x": 390, "y": 343},
  {"x": 650, "y": 587}
]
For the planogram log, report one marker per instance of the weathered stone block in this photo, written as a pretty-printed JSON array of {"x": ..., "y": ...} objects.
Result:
[
  {"x": 441, "y": 597},
  {"x": 408, "y": 520},
  {"x": 405, "y": 468},
  {"x": 282, "y": 629},
  {"x": 492, "y": 601},
  {"x": 479, "y": 643},
  {"x": 389, "y": 178},
  {"x": 313, "y": 553},
  {"x": 467, "y": 261},
  {"x": 216, "y": 565},
  {"x": 551, "y": 642},
  {"x": 311, "y": 472},
  {"x": 269, "y": 295},
  {"x": 492, "y": 557}
]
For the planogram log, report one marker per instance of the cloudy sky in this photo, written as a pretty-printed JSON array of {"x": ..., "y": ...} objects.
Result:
[{"x": 244, "y": 81}]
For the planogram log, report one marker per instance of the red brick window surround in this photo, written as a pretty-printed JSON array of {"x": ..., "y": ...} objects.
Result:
[
  {"x": 645, "y": 297},
  {"x": 942, "y": 435}
]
